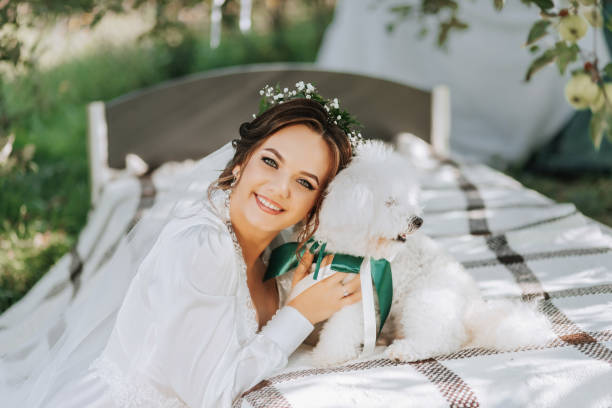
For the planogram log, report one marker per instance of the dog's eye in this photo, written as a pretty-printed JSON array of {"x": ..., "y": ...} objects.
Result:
[{"x": 391, "y": 202}]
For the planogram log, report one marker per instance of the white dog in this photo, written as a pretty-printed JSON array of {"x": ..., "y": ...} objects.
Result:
[{"x": 372, "y": 210}]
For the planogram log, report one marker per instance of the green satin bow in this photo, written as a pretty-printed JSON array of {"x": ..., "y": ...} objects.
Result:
[{"x": 283, "y": 259}]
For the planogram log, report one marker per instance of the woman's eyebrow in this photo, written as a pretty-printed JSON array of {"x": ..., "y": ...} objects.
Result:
[{"x": 282, "y": 160}]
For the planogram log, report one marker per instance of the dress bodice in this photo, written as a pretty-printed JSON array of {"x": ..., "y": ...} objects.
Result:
[{"x": 187, "y": 331}]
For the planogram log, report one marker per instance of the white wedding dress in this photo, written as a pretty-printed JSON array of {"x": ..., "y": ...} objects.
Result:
[{"x": 186, "y": 333}]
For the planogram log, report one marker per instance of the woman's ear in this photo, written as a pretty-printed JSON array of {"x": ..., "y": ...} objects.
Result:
[{"x": 236, "y": 171}]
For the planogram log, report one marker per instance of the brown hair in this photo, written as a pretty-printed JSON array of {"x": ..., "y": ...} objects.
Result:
[{"x": 293, "y": 112}]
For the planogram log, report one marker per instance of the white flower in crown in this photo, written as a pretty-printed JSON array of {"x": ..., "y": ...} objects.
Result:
[{"x": 343, "y": 119}]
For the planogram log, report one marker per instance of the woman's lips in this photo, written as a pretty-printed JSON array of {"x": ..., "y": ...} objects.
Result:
[{"x": 266, "y": 208}]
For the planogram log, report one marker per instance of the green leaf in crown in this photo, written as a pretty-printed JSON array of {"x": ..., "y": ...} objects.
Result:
[{"x": 272, "y": 96}]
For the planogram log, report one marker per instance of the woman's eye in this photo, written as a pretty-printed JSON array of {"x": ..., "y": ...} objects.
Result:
[
  {"x": 306, "y": 184},
  {"x": 270, "y": 162}
]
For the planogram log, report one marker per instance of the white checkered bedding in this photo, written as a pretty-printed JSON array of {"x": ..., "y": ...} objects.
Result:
[{"x": 515, "y": 242}]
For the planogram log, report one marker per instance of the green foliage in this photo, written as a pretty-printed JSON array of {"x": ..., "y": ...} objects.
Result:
[
  {"x": 544, "y": 5},
  {"x": 597, "y": 127},
  {"x": 590, "y": 193},
  {"x": 608, "y": 70},
  {"x": 45, "y": 192},
  {"x": 569, "y": 25},
  {"x": 600, "y": 126},
  {"x": 537, "y": 31},
  {"x": 565, "y": 55},
  {"x": 540, "y": 62},
  {"x": 25, "y": 256},
  {"x": 447, "y": 24}
]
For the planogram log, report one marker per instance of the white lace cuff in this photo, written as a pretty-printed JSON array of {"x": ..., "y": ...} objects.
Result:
[{"x": 288, "y": 328}]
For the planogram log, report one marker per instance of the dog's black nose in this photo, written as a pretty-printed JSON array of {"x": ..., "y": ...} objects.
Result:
[{"x": 417, "y": 221}]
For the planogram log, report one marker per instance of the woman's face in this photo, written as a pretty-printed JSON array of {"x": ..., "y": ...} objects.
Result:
[{"x": 282, "y": 179}]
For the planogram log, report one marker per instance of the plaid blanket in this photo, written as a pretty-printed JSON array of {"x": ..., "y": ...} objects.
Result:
[
  {"x": 514, "y": 241},
  {"x": 517, "y": 244}
]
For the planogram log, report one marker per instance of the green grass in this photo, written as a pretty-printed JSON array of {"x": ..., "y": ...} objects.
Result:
[
  {"x": 591, "y": 193},
  {"x": 45, "y": 198}
]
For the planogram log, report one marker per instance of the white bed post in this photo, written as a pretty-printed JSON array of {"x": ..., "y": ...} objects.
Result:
[
  {"x": 440, "y": 120},
  {"x": 97, "y": 144}
]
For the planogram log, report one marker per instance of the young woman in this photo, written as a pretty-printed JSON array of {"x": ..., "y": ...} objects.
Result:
[{"x": 198, "y": 326}]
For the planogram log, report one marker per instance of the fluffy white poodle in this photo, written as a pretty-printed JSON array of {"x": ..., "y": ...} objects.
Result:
[{"x": 372, "y": 210}]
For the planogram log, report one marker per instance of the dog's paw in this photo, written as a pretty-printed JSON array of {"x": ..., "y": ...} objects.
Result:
[{"x": 403, "y": 351}]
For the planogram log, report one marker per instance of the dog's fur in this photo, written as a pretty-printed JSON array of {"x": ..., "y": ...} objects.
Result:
[{"x": 372, "y": 210}]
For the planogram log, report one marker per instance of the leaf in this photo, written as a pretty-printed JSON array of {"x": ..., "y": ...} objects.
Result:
[
  {"x": 402, "y": 11},
  {"x": 608, "y": 70},
  {"x": 596, "y": 128},
  {"x": 537, "y": 31},
  {"x": 533, "y": 49},
  {"x": 263, "y": 104},
  {"x": 452, "y": 24},
  {"x": 435, "y": 6},
  {"x": 543, "y": 4},
  {"x": 565, "y": 55},
  {"x": 498, "y": 4},
  {"x": 546, "y": 58},
  {"x": 608, "y": 130}
]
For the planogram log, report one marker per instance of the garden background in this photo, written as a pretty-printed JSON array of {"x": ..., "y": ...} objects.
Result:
[{"x": 44, "y": 181}]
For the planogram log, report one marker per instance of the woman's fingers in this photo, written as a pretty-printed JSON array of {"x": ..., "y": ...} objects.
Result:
[
  {"x": 350, "y": 287},
  {"x": 327, "y": 260},
  {"x": 303, "y": 268},
  {"x": 354, "y": 284},
  {"x": 352, "y": 298},
  {"x": 338, "y": 276}
]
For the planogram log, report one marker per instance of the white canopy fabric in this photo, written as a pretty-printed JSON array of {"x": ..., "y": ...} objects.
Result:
[{"x": 496, "y": 117}]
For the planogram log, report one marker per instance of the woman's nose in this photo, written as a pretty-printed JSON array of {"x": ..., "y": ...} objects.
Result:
[{"x": 283, "y": 187}]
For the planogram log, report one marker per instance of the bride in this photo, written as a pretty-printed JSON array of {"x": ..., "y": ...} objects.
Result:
[{"x": 197, "y": 325}]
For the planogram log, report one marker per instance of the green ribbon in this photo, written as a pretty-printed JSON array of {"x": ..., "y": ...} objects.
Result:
[{"x": 283, "y": 259}]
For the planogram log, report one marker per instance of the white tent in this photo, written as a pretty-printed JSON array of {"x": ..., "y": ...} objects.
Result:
[{"x": 497, "y": 117}]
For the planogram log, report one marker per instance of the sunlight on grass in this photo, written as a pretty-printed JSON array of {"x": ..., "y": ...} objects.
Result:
[{"x": 45, "y": 194}]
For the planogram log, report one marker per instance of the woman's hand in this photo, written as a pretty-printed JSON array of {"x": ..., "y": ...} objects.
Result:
[{"x": 326, "y": 297}]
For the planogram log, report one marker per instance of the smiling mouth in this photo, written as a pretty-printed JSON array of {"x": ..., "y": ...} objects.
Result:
[{"x": 267, "y": 205}]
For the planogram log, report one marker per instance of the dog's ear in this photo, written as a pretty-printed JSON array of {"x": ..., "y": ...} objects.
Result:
[
  {"x": 362, "y": 197},
  {"x": 347, "y": 204}
]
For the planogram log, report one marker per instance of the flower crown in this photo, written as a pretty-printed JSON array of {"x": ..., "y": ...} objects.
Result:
[{"x": 348, "y": 123}]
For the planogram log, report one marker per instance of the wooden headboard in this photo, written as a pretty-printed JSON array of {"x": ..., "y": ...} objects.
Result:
[{"x": 192, "y": 116}]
